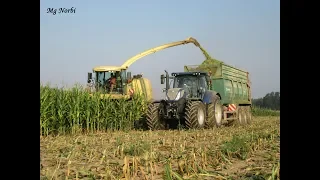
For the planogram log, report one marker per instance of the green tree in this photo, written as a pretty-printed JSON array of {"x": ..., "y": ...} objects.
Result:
[{"x": 270, "y": 101}]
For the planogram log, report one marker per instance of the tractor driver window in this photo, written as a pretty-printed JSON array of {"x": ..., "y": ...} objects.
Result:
[
  {"x": 203, "y": 82},
  {"x": 181, "y": 81},
  {"x": 178, "y": 83},
  {"x": 188, "y": 83}
]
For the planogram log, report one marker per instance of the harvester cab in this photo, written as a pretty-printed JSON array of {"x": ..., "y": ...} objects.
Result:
[{"x": 109, "y": 79}]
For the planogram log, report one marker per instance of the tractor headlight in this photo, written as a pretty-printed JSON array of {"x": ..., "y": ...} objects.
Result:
[{"x": 178, "y": 96}]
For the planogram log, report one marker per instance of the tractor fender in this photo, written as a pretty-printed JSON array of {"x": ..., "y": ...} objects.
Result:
[
  {"x": 208, "y": 95},
  {"x": 158, "y": 101},
  {"x": 155, "y": 101}
]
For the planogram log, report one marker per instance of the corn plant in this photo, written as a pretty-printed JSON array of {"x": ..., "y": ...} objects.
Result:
[
  {"x": 257, "y": 111},
  {"x": 73, "y": 110}
]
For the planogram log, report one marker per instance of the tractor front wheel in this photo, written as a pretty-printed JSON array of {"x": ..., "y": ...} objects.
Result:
[
  {"x": 195, "y": 115},
  {"x": 154, "y": 121}
]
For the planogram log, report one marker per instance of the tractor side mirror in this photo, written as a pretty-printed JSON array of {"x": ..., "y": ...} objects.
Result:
[
  {"x": 162, "y": 78},
  {"x": 89, "y": 77},
  {"x": 129, "y": 75}
]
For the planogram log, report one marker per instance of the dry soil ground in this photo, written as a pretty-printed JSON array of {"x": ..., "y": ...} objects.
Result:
[{"x": 250, "y": 152}]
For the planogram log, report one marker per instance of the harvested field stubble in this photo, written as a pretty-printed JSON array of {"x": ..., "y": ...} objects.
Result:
[{"x": 219, "y": 153}]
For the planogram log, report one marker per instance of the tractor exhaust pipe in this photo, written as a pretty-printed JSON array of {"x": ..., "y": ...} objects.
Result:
[{"x": 167, "y": 79}]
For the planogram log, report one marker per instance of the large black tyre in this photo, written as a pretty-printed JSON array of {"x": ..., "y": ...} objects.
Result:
[
  {"x": 195, "y": 115},
  {"x": 215, "y": 112},
  {"x": 242, "y": 116},
  {"x": 210, "y": 116},
  {"x": 153, "y": 119},
  {"x": 249, "y": 114}
]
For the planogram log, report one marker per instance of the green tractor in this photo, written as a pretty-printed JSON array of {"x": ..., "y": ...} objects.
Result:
[{"x": 190, "y": 103}]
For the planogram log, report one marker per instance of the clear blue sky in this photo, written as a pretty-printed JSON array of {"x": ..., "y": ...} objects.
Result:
[{"x": 243, "y": 33}]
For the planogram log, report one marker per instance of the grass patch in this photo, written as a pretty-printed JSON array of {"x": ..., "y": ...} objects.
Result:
[
  {"x": 137, "y": 149},
  {"x": 257, "y": 111},
  {"x": 238, "y": 147}
]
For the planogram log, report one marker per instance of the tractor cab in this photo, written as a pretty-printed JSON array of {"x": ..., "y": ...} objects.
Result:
[
  {"x": 109, "y": 79},
  {"x": 193, "y": 84}
]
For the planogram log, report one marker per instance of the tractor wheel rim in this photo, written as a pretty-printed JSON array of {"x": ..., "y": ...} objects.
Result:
[
  {"x": 218, "y": 113},
  {"x": 200, "y": 116}
]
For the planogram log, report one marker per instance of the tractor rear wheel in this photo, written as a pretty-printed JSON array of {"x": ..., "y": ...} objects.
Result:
[
  {"x": 215, "y": 113},
  {"x": 210, "y": 116},
  {"x": 153, "y": 119},
  {"x": 195, "y": 115}
]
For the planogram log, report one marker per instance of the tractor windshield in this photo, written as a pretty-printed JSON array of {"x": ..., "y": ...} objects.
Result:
[
  {"x": 190, "y": 83},
  {"x": 110, "y": 81}
]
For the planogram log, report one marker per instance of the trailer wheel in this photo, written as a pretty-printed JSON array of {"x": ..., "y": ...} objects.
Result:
[
  {"x": 195, "y": 115},
  {"x": 249, "y": 115},
  {"x": 242, "y": 116},
  {"x": 153, "y": 120}
]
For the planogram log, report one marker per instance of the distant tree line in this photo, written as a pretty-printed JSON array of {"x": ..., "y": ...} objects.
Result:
[{"x": 269, "y": 101}]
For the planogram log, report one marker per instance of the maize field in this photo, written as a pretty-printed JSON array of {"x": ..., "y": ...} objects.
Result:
[{"x": 74, "y": 110}]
